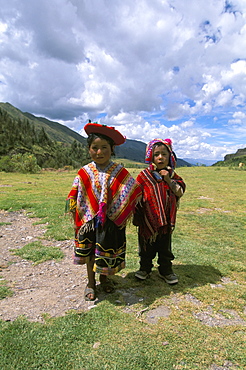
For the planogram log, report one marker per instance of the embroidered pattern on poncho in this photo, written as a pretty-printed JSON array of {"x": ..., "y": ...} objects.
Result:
[{"x": 111, "y": 192}]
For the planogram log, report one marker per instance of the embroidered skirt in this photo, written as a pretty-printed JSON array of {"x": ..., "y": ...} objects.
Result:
[{"x": 107, "y": 244}]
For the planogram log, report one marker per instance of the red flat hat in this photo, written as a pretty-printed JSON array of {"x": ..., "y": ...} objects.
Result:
[{"x": 96, "y": 128}]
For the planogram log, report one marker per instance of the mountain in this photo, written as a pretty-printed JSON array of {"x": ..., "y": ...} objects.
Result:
[
  {"x": 28, "y": 142},
  {"x": 233, "y": 159},
  {"x": 135, "y": 150},
  {"x": 183, "y": 163},
  {"x": 132, "y": 150},
  {"x": 200, "y": 161},
  {"x": 55, "y": 130},
  {"x": 239, "y": 153}
]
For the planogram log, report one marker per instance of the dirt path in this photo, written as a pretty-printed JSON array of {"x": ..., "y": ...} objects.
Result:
[{"x": 50, "y": 287}]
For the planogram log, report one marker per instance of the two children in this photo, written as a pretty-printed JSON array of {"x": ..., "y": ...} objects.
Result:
[{"x": 104, "y": 197}]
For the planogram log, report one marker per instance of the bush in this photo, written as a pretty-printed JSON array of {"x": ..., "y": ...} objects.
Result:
[
  {"x": 24, "y": 163},
  {"x": 6, "y": 164}
]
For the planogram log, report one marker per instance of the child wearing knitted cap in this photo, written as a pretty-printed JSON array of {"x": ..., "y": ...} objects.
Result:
[{"x": 155, "y": 215}]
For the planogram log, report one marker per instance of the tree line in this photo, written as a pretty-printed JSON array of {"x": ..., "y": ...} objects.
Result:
[{"x": 20, "y": 139}]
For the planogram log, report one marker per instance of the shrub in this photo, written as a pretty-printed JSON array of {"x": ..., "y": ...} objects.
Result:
[
  {"x": 24, "y": 163},
  {"x": 6, "y": 164}
]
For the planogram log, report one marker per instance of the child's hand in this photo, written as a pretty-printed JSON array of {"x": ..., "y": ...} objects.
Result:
[{"x": 165, "y": 175}]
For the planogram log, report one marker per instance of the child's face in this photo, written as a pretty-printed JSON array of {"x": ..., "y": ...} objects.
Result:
[
  {"x": 161, "y": 156},
  {"x": 100, "y": 152}
]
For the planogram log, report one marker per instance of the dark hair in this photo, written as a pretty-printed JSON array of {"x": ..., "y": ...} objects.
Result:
[
  {"x": 160, "y": 144},
  {"x": 94, "y": 136}
]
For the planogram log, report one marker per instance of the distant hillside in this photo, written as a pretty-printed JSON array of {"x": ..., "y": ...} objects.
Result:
[
  {"x": 183, "y": 163},
  {"x": 200, "y": 161},
  {"x": 239, "y": 153},
  {"x": 27, "y": 142},
  {"x": 135, "y": 150},
  {"x": 132, "y": 150},
  {"x": 233, "y": 159},
  {"x": 55, "y": 130}
]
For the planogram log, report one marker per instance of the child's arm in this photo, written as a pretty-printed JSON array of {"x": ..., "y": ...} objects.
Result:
[
  {"x": 174, "y": 185},
  {"x": 71, "y": 201},
  {"x": 176, "y": 188}
]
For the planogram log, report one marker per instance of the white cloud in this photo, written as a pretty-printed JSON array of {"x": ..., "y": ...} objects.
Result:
[
  {"x": 239, "y": 118},
  {"x": 187, "y": 124},
  {"x": 212, "y": 87},
  {"x": 150, "y": 68},
  {"x": 224, "y": 98}
]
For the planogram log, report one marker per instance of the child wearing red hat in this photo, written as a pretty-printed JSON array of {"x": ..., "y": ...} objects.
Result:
[
  {"x": 156, "y": 213},
  {"x": 102, "y": 199}
]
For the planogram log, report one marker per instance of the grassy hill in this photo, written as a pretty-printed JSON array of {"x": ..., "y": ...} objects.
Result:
[
  {"x": 233, "y": 160},
  {"x": 28, "y": 142},
  {"x": 131, "y": 150},
  {"x": 55, "y": 130},
  {"x": 239, "y": 153}
]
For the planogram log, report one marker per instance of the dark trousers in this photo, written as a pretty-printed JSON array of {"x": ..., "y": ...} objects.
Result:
[{"x": 162, "y": 247}]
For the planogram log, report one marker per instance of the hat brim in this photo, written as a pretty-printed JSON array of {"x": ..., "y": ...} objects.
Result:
[{"x": 96, "y": 128}]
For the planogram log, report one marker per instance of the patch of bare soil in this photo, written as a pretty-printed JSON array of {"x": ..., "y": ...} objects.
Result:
[{"x": 47, "y": 288}]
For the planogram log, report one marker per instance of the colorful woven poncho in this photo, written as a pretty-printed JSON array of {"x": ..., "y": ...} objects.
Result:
[
  {"x": 111, "y": 192},
  {"x": 157, "y": 211}
]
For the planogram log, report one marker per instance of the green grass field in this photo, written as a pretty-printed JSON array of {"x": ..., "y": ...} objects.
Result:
[{"x": 209, "y": 245}]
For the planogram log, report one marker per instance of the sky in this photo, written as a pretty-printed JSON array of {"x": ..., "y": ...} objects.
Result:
[{"x": 150, "y": 68}]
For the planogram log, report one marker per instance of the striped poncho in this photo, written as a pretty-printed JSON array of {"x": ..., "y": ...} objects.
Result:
[
  {"x": 157, "y": 211},
  {"x": 111, "y": 192}
]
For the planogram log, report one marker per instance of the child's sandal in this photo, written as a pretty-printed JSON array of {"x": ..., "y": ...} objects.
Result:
[{"x": 90, "y": 294}]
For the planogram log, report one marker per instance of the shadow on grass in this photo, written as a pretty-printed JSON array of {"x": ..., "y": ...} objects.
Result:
[{"x": 129, "y": 290}]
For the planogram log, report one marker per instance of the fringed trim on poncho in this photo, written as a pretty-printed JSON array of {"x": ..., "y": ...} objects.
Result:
[{"x": 87, "y": 227}]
